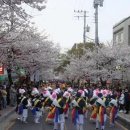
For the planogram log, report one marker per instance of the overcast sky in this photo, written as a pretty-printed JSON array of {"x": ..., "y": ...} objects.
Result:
[{"x": 59, "y": 22}]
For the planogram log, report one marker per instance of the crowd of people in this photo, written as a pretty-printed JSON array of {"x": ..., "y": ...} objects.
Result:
[
  {"x": 8, "y": 96},
  {"x": 61, "y": 101},
  {"x": 3, "y": 97}
]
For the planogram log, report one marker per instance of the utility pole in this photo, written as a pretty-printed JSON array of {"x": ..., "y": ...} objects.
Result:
[
  {"x": 96, "y": 4},
  {"x": 84, "y": 33},
  {"x": 85, "y": 28},
  {"x": 96, "y": 26}
]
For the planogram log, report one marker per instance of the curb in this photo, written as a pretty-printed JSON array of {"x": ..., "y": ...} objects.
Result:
[
  {"x": 5, "y": 116},
  {"x": 120, "y": 125},
  {"x": 123, "y": 119},
  {"x": 123, "y": 122}
]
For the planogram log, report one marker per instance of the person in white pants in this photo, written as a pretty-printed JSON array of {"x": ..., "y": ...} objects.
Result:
[
  {"x": 79, "y": 105},
  {"x": 25, "y": 115},
  {"x": 67, "y": 105},
  {"x": 38, "y": 108},
  {"x": 101, "y": 115},
  {"x": 80, "y": 122},
  {"x": 38, "y": 115},
  {"x": 59, "y": 118},
  {"x": 24, "y": 103},
  {"x": 61, "y": 122}
]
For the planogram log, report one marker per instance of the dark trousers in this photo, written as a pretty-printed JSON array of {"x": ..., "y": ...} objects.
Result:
[
  {"x": 127, "y": 107},
  {"x": 121, "y": 107},
  {"x": 0, "y": 104}
]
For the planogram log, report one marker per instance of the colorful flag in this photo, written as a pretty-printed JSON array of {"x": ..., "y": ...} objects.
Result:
[{"x": 1, "y": 70}]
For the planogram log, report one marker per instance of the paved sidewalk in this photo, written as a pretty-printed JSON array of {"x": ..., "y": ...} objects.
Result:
[
  {"x": 5, "y": 113},
  {"x": 124, "y": 117}
]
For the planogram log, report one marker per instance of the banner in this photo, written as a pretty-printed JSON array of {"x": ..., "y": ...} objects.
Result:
[{"x": 1, "y": 70}]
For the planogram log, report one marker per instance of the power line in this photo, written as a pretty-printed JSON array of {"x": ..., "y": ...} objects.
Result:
[{"x": 84, "y": 16}]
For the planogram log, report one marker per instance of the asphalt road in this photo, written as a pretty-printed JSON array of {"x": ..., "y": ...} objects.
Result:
[{"x": 18, "y": 125}]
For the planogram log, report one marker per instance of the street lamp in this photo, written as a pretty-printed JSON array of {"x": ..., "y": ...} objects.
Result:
[{"x": 96, "y": 4}]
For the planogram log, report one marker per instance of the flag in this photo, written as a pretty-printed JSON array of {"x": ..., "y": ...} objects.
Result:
[{"x": 1, "y": 70}]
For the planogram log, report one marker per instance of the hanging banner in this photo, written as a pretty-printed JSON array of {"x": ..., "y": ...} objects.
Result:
[{"x": 1, "y": 70}]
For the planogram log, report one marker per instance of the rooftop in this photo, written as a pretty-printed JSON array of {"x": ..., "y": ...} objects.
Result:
[{"x": 123, "y": 20}]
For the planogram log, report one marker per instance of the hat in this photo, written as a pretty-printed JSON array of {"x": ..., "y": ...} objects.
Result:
[
  {"x": 95, "y": 92},
  {"x": 86, "y": 91},
  {"x": 81, "y": 92},
  {"x": 53, "y": 96},
  {"x": 35, "y": 91},
  {"x": 57, "y": 90},
  {"x": 21, "y": 91},
  {"x": 66, "y": 94},
  {"x": 70, "y": 89},
  {"x": 104, "y": 92},
  {"x": 46, "y": 93}
]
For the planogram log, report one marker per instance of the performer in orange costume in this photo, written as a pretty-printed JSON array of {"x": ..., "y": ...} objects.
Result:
[
  {"x": 94, "y": 109},
  {"x": 100, "y": 121},
  {"x": 113, "y": 112}
]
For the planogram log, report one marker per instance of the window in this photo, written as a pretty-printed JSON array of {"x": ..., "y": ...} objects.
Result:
[
  {"x": 119, "y": 38},
  {"x": 122, "y": 38}
]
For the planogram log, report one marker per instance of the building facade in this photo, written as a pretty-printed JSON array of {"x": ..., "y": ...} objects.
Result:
[
  {"x": 121, "y": 35},
  {"x": 121, "y": 32}
]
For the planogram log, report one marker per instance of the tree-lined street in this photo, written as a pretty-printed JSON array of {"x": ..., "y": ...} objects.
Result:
[{"x": 38, "y": 73}]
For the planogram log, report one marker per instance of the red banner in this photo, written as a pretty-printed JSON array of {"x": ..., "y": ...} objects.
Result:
[{"x": 1, "y": 70}]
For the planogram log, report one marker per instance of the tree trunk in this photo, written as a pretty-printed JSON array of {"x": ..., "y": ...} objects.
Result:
[
  {"x": 10, "y": 83},
  {"x": 103, "y": 83},
  {"x": 9, "y": 77}
]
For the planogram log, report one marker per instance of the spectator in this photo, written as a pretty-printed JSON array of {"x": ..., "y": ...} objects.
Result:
[
  {"x": 129, "y": 100},
  {"x": 8, "y": 94},
  {"x": 4, "y": 97},
  {"x": 121, "y": 101},
  {"x": 0, "y": 99},
  {"x": 126, "y": 95},
  {"x": 13, "y": 93}
]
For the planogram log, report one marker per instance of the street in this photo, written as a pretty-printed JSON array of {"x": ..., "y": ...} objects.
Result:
[{"x": 18, "y": 125}]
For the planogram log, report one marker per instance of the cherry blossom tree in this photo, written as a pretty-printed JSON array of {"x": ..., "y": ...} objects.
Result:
[
  {"x": 32, "y": 52},
  {"x": 103, "y": 62},
  {"x": 14, "y": 21},
  {"x": 13, "y": 15}
]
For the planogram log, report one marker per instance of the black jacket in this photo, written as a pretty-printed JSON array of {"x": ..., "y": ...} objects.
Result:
[
  {"x": 81, "y": 104},
  {"x": 25, "y": 103}
]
